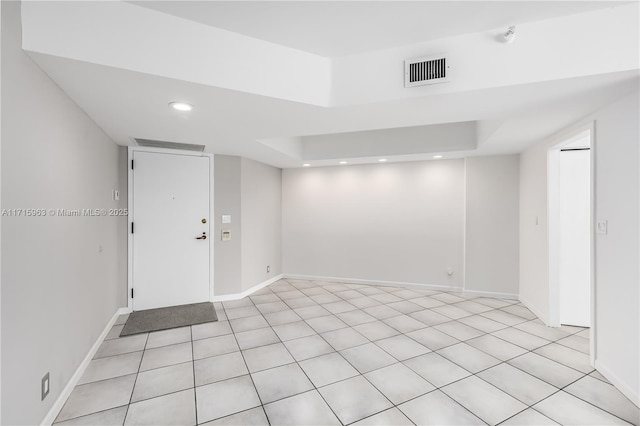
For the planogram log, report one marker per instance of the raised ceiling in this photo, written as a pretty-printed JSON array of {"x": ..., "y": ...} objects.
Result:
[
  {"x": 340, "y": 28},
  {"x": 256, "y": 94}
]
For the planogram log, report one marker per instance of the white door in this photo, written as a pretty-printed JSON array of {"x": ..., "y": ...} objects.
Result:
[
  {"x": 575, "y": 239},
  {"x": 170, "y": 216}
]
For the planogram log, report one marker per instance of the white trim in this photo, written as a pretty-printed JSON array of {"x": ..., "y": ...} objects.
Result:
[
  {"x": 237, "y": 296},
  {"x": 167, "y": 150},
  {"x": 553, "y": 213},
  {"x": 464, "y": 228},
  {"x": 535, "y": 311},
  {"x": 71, "y": 384},
  {"x": 131, "y": 206},
  {"x": 129, "y": 234},
  {"x": 592, "y": 330},
  {"x": 212, "y": 227},
  {"x": 620, "y": 384},
  {"x": 499, "y": 295},
  {"x": 456, "y": 289}
]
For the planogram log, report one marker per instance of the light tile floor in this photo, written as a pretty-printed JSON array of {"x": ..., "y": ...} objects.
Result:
[{"x": 321, "y": 353}]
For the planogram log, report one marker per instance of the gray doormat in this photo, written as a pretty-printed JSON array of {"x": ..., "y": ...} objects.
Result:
[{"x": 166, "y": 318}]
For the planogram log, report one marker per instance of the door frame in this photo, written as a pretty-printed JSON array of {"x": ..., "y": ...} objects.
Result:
[
  {"x": 553, "y": 194},
  {"x": 131, "y": 207}
]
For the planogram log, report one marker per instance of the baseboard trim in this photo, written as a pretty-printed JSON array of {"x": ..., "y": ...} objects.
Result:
[
  {"x": 535, "y": 311},
  {"x": 618, "y": 383},
  {"x": 374, "y": 282},
  {"x": 71, "y": 384},
  {"x": 237, "y": 296},
  {"x": 495, "y": 294}
]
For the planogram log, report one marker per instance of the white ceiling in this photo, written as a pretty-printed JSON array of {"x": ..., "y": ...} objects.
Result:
[
  {"x": 339, "y": 28},
  {"x": 508, "y": 116}
]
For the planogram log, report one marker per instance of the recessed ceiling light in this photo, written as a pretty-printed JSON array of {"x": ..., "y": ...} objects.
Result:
[
  {"x": 382, "y": 160},
  {"x": 306, "y": 165},
  {"x": 437, "y": 156},
  {"x": 343, "y": 162},
  {"x": 181, "y": 106}
]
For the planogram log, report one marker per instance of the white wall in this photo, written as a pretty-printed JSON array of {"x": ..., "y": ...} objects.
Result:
[
  {"x": 492, "y": 224},
  {"x": 261, "y": 222},
  {"x": 617, "y": 164},
  {"x": 617, "y": 301},
  {"x": 123, "y": 227},
  {"x": 60, "y": 278},
  {"x": 226, "y": 201},
  {"x": 399, "y": 222},
  {"x": 251, "y": 192},
  {"x": 534, "y": 291}
]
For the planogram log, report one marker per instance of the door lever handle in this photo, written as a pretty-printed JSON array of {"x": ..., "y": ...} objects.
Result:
[{"x": 202, "y": 237}]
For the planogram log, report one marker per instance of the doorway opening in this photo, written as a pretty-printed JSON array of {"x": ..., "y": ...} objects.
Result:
[{"x": 570, "y": 238}]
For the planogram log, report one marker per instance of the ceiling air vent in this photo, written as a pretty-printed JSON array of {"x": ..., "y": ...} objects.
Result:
[
  {"x": 169, "y": 145},
  {"x": 426, "y": 70}
]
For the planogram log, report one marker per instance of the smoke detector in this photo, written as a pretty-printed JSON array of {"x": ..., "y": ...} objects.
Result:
[{"x": 509, "y": 35}]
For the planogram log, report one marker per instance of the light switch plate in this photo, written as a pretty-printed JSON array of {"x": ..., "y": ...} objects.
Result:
[
  {"x": 601, "y": 227},
  {"x": 226, "y": 235},
  {"x": 226, "y": 218},
  {"x": 44, "y": 387}
]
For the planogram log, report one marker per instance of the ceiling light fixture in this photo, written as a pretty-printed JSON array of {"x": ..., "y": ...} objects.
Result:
[
  {"x": 306, "y": 165},
  {"x": 343, "y": 162},
  {"x": 181, "y": 106},
  {"x": 437, "y": 156},
  {"x": 382, "y": 160}
]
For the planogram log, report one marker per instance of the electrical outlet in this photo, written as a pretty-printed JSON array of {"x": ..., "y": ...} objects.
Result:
[
  {"x": 268, "y": 269},
  {"x": 601, "y": 226},
  {"x": 44, "y": 389}
]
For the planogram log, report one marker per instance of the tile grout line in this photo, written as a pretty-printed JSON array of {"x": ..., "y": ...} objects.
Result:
[
  {"x": 329, "y": 384},
  {"x": 304, "y": 372},
  {"x": 336, "y": 292},
  {"x": 501, "y": 362},
  {"x": 435, "y": 387},
  {"x": 193, "y": 368},
  {"x": 124, "y": 420},
  {"x": 360, "y": 374},
  {"x": 247, "y": 367},
  {"x": 363, "y": 375},
  {"x": 588, "y": 402},
  {"x": 428, "y": 326}
]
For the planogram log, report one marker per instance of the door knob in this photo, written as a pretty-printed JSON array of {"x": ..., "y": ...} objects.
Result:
[{"x": 202, "y": 237}]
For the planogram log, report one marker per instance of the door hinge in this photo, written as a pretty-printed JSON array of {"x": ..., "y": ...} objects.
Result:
[
  {"x": 131, "y": 164},
  {"x": 132, "y": 293},
  {"x": 132, "y": 227}
]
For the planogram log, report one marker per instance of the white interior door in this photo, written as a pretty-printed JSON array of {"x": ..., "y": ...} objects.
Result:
[
  {"x": 574, "y": 239},
  {"x": 170, "y": 212}
]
